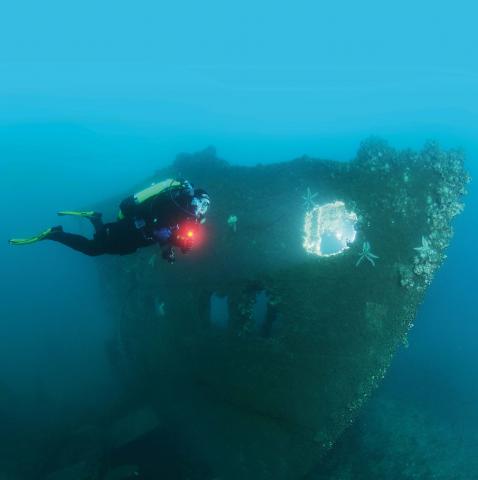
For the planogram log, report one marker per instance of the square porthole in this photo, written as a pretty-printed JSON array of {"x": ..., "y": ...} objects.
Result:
[{"x": 219, "y": 311}]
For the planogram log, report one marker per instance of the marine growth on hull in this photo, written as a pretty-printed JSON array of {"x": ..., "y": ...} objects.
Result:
[{"x": 260, "y": 347}]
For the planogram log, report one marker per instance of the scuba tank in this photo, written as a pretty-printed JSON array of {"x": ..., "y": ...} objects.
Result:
[{"x": 131, "y": 206}]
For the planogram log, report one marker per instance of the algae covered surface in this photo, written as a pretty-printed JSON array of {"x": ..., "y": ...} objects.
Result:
[{"x": 304, "y": 340}]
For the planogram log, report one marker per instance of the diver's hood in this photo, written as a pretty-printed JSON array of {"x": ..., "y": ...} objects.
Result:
[{"x": 200, "y": 204}]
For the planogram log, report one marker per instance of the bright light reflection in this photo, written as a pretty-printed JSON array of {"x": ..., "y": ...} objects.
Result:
[{"x": 329, "y": 229}]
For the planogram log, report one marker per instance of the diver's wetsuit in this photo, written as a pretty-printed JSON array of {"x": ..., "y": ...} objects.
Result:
[{"x": 137, "y": 229}]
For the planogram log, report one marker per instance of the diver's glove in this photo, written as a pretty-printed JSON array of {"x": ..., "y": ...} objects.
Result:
[{"x": 162, "y": 235}]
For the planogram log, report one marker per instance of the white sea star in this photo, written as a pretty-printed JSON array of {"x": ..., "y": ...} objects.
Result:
[
  {"x": 232, "y": 222},
  {"x": 424, "y": 249},
  {"x": 366, "y": 254},
  {"x": 309, "y": 199}
]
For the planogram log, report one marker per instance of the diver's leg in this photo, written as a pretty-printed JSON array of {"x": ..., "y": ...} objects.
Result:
[
  {"x": 76, "y": 242},
  {"x": 93, "y": 216},
  {"x": 97, "y": 221}
]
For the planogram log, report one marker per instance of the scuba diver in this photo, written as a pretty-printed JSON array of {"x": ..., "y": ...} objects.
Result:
[{"x": 164, "y": 213}]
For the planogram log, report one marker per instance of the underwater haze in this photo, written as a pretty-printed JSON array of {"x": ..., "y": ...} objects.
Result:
[{"x": 97, "y": 96}]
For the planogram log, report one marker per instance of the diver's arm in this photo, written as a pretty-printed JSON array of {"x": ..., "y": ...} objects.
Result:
[
  {"x": 168, "y": 238},
  {"x": 172, "y": 236},
  {"x": 162, "y": 235}
]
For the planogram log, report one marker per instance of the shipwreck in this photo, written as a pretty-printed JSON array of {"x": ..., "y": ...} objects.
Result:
[{"x": 260, "y": 347}]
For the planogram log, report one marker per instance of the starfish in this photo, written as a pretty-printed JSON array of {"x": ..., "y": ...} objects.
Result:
[
  {"x": 424, "y": 249},
  {"x": 232, "y": 222},
  {"x": 309, "y": 199},
  {"x": 366, "y": 254}
]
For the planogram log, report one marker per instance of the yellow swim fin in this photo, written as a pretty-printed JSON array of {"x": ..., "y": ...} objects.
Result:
[
  {"x": 29, "y": 241},
  {"x": 88, "y": 214}
]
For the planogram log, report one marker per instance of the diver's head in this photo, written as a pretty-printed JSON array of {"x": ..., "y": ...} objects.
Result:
[{"x": 200, "y": 203}]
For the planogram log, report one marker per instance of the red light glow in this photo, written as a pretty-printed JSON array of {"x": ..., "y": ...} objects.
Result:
[{"x": 194, "y": 233}]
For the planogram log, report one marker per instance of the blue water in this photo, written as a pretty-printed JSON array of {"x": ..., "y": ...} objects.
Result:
[{"x": 95, "y": 97}]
